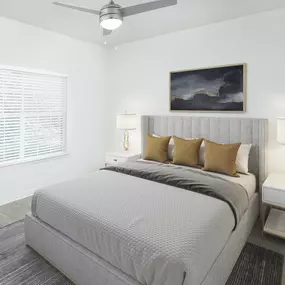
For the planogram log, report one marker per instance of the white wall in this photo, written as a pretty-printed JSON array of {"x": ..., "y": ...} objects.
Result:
[
  {"x": 140, "y": 70},
  {"x": 34, "y": 48},
  {"x": 137, "y": 78}
]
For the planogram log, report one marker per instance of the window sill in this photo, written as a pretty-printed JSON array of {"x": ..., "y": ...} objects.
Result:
[{"x": 34, "y": 160}]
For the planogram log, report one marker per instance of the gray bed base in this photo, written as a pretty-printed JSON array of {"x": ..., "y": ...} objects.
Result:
[{"x": 85, "y": 268}]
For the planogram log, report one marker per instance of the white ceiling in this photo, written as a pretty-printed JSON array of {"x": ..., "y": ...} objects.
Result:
[{"x": 83, "y": 26}]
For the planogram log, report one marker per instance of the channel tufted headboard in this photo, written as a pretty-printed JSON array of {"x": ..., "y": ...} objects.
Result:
[{"x": 220, "y": 130}]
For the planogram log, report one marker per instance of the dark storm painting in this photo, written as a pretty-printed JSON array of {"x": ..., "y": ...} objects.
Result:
[{"x": 211, "y": 89}]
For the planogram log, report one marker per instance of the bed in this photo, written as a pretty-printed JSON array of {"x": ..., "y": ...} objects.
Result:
[{"x": 115, "y": 227}]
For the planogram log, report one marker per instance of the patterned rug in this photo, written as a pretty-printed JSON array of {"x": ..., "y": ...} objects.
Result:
[{"x": 21, "y": 265}]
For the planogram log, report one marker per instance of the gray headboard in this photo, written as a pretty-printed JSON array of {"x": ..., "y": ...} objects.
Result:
[{"x": 220, "y": 130}]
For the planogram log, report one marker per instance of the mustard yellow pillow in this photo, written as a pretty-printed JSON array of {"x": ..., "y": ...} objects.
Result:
[
  {"x": 156, "y": 148},
  {"x": 186, "y": 152},
  {"x": 221, "y": 157}
]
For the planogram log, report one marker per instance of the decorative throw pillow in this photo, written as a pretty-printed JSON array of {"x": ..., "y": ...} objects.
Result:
[
  {"x": 156, "y": 148},
  {"x": 186, "y": 152},
  {"x": 241, "y": 160},
  {"x": 170, "y": 147},
  {"x": 221, "y": 158}
]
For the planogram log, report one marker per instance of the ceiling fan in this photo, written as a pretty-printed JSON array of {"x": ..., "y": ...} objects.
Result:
[{"x": 111, "y": 16}]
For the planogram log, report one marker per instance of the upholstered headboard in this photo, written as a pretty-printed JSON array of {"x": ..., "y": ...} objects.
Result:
[{"x": 220, "y": 130}]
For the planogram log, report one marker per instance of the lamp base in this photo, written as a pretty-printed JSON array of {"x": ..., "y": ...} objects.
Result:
[{"x": 126, "y": 140}]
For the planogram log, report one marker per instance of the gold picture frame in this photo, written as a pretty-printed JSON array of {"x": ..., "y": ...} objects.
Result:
[{"x": 223, "y": 103}]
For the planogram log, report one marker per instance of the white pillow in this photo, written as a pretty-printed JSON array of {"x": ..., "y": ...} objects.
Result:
[
  {"x": 202, "y": 153},
  {"x": 241, "y": 160}
]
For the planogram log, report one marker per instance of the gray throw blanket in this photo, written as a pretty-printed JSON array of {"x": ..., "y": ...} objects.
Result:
[{"x": 189, "y": 179}]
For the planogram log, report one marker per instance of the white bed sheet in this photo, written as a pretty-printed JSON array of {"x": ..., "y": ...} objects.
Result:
[{"x": 247, "y": 181}]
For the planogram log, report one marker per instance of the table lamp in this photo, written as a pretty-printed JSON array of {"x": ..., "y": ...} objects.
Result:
[{"x": 126, "y": 122}]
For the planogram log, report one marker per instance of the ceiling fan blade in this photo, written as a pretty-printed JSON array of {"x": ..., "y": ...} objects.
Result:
[
  {"x": 145, "y": 7},
  {"x": 106, "y": 32},
  {"x": 78, "y": 8}
]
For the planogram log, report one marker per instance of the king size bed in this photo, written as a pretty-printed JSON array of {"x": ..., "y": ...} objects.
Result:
[{"x": 153, "y": 223}]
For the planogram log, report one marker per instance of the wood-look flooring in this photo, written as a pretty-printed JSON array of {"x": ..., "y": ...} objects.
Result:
[{"x": 14, "y": 211}]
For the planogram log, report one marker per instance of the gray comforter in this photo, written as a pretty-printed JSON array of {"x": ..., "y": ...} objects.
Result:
[
  {"x": 189, "y": 179},
  {"x": 156, "y": 233}
]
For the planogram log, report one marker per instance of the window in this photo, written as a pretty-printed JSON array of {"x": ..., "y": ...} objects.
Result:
[{"x": 32, "y": 115}]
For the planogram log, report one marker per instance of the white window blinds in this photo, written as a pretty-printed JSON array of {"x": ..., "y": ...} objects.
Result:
[{"x": 32, "y": 115}]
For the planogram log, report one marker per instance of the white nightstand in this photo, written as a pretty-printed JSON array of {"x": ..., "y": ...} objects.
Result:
[
  {"x": 273, "y": 195},
  {"x": 115, "y": 158}
]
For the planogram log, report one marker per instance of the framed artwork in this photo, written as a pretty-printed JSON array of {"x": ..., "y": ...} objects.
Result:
[{"x": 217, "y": 89}]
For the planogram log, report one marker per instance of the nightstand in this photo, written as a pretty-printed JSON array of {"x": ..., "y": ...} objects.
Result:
[
  {"x": 113, "y": 158},
  {"x": 273, "y": 195}
]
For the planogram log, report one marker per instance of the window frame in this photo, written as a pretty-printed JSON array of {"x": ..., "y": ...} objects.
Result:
[{"x": 50, "y": 156}]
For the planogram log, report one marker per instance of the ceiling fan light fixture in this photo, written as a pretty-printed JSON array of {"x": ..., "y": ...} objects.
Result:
[
  {"x": 111, "y": 23},
  {"x": 111, "y": 17}
]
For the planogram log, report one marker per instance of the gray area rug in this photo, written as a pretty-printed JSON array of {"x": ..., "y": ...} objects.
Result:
[
  {"x": 21, "y": 265},
  {"x": 257, "y": 266}
]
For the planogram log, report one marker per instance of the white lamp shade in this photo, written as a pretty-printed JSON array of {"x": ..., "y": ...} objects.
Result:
[
  {"x": 281, "y": 130},
  {"x": 111, "y": 24},
  {"x": 126, "y": 121}
]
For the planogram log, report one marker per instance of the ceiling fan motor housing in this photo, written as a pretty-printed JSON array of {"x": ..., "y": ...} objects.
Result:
[{"x": 111, "y": 11}]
